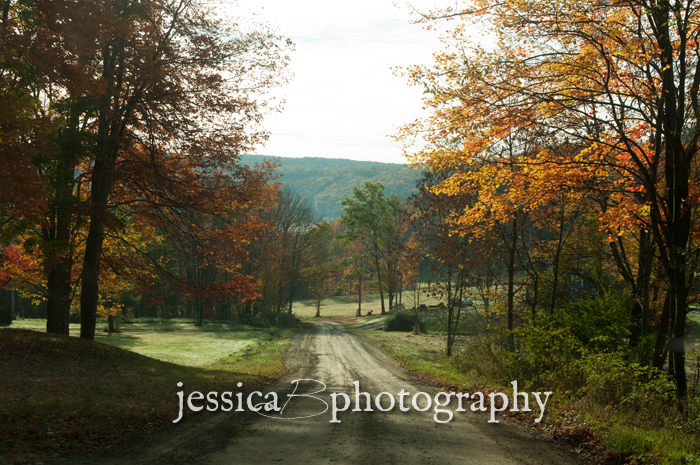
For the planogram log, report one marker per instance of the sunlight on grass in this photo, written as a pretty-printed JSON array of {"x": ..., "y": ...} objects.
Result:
[
  {"x": 422, "y": 353},
  {"x": 176, "y": 341},
  {"x": 185, "y": 348},
  {"x": 37, "y": 324},
  {"x": 346, "y": 306},
  {"x": 67, "y": 394}
]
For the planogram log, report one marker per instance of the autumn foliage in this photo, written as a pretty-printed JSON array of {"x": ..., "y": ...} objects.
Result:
[
  {"x": 122, "y": 125},
  {"x": 577, "y": 118}
]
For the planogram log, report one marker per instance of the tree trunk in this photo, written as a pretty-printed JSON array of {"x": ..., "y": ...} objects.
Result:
[
  {"x": 58, "y": 298},
  {"x": 102, "y": 176},
  {"x": 379, "y": 280},
  {"x": 59, "y": 262},
  {"x": 677, "y": 344},
  {"x": 673, "y": 225},
  {"x": 359, "y": 295},
  {"x": 661, "y": 335},
  {"x": 450, "y": 312},
  {"x": 511, "y": 285},
  {"x": 89, "y": 295},
  {"x": 557, "y": 256},
  {"x": 400, "y": 288}
]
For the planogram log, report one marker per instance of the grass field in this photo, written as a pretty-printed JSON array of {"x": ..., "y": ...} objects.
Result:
[
  {"x": 176, "y": 341},
  {"x": 694, "y": 326},
  {"x": 62, "y": 393},
  {"x": 346, "y": 306}
]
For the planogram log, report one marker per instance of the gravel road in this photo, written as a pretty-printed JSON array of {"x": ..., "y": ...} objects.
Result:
[{"x": 327, "y": 353}]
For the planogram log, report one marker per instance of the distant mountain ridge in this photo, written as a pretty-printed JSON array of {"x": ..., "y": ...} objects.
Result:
[{"x": 326, "y": 181}]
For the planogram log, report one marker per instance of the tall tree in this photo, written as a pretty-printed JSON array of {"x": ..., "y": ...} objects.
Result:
[
  {"x": 166, "y": 93},
  {"x": 296, "y": 220},
  {"x": 367, "y": 220}
]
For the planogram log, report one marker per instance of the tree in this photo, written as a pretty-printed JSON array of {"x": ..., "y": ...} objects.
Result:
[
  {"x": 619, "y": 79},
  {"x": 449, "y": 257},
  {"x": 165, "y": 92},
  {"x": 323, "y": 275},
  {"x": 357, "y": 273},
  {"x": 366, "y": 218},
  {"x": 296, "y": 226},
  {"x": 397, "y": 236}
]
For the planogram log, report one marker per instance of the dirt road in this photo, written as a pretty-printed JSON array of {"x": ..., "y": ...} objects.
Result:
[{"x": 329, "y": 354}]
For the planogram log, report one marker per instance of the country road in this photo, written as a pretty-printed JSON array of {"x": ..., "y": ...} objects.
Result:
[{"x": 327, "y": 353}]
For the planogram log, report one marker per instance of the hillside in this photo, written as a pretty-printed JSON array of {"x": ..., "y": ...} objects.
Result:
[{"x": 326, "y": 181}]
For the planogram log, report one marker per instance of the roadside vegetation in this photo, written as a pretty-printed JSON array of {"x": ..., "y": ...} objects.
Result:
[{"x": 603, "y": 406}]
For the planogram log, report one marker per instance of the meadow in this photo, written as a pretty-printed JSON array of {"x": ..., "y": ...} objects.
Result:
[
  {"x": 345, "y": 306},
  {"x": 176, "y": 341}
]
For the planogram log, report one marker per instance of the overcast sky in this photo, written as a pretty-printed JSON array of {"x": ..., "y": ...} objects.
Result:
[{"x": 344, "y": 101}]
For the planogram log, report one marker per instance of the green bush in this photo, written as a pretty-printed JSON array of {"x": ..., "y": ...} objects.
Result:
[
  {"x": 260, "y": 320},
  {"x": 602, "y": 324},
  {"x": 627, "y": 386},
  {"x": 403, "y": 321},
  {"x": 546, "y": 357}
]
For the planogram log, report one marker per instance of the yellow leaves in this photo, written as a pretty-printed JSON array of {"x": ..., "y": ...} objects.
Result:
[{"x": 502, "y": 118}]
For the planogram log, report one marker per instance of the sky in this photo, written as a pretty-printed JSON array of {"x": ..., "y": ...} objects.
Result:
[{"x": 344, "y": 101}]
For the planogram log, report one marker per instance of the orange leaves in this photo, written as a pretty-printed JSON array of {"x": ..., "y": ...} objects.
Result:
[{"x": 566, "y": 101}]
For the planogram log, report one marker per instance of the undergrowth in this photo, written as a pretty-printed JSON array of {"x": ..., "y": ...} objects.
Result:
[{"x": 607, "y": 401}]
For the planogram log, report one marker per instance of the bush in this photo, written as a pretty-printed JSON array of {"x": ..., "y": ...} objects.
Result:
[
  {"x": 612, "y": 380},
  {"x": 546, "y": 357},
  {"x": 284, "y": 319},
  {"x": 403, "y": 321},
  {"x": 260, "y": 320},
  {"x": 603, "y": 324},
  {"x": 281, "y": 319}
]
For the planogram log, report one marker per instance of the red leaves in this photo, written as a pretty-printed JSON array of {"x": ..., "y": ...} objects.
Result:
[{"x": 16, "y": 265}]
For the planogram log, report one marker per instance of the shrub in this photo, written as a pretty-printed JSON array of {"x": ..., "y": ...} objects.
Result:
[
  {"x": 284, "y": 319},
  {"x": 260, "y": 320},
  {"x": 602, "y": 324},
  {"x": 403, "y": 321},
  {"x": 612, "y": 380},
  {"x": 546, "y": 357}
]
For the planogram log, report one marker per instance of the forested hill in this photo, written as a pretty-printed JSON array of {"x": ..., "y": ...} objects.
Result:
[{"x": 326, "y": 181}]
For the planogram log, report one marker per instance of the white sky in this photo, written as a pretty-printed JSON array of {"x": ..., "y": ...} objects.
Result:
[{"x": 344, "y": 101}]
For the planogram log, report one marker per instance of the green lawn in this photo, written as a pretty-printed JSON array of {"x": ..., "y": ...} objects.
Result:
[
  {"x": 177, "y": 341},
  {"x": 694, "y": 326},
  {"x": 186, "y": 348}
]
